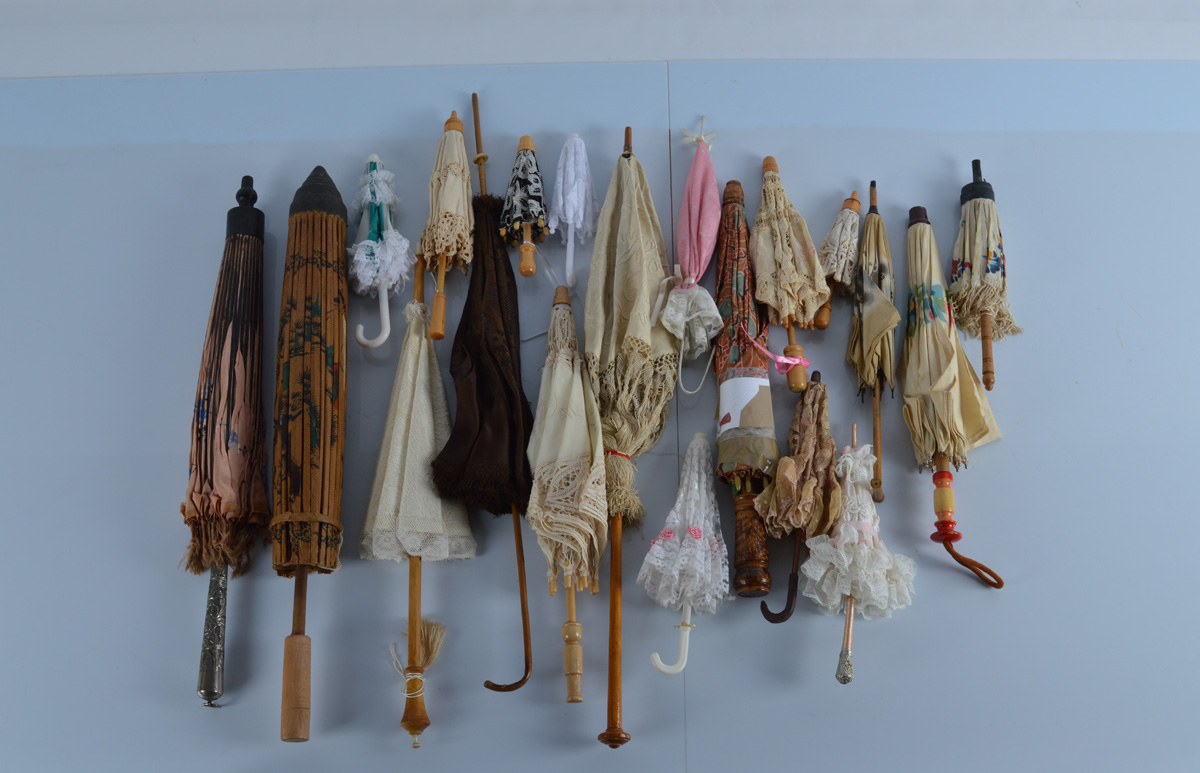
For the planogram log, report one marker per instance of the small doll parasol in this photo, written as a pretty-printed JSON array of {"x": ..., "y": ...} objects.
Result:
[
  {"x": 573, "y": 202},
  {"x": 851, "y": 568},
  {"x": 226, "y": 506},
  {"x": 871, "y": 349},
  {"x": 524, "y": 217},
  {"x": 568, "y": 509},
  {"x": 633, "y": 365},
  {"x": 483, "y": 463},
  {"x": 788, "y": 273},
  {"x": 838, "y": 253},
  {"x": 310, "y": 419},
  {"x": 804, "y": 499},
  {"x": 406, "y": 519},
  {"x": 979, "y": 273},
  {"x": 687, "y": 566},
  {"x": 945, "y": 406},
  {"x": 381, "y": 260},
  {"x": 446, "y": 239}
]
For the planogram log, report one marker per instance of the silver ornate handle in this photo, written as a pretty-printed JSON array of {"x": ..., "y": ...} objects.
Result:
[{"x": 211, "y": 683}]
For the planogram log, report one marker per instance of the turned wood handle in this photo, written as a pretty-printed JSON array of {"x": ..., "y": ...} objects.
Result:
[
  {"x": 797, "y": 377},
  {"x": 750, "y": 558},
  {"x": 437, "y": 316},
  {"x": 821, "y": 320},
  {"x": 614, "y": 735},
  {"x": 572, "y": 633},
  {"x": 415, "y": 718},
  {"x": 527, "y": 267},
  {"x": 989, "y": 365},
  {"x": 297, "y": 697}
]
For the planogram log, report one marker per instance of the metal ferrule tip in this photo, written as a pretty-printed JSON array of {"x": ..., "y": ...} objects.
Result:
[{"x": 845, "y": 669}]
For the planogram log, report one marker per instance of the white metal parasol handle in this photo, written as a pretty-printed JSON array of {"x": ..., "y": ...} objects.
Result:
[
  {"x": 385, "y": 321},
  {"x": 685, "y": 630}
]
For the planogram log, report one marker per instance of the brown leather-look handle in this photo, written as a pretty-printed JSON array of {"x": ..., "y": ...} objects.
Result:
[
  {"x": 989, "y": 365},
  {"x": 527, "y": 267},
  {"x": 614, "y": 736},
  {"x": 437, "y": 315},
  {"x": 750, "y": 558}
]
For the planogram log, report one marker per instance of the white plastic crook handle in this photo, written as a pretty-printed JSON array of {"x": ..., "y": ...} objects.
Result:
[
  {"x": 685, "y": 630},
  {"x": 385, "y": 320}
]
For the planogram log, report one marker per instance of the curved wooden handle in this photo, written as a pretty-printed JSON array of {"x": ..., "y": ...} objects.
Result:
[
  {"x": 821, "y": 320},
  {"x": 297, "y": 696},
  {"x": 989, "y": 365},
  {"x": 527, "y": 267},
  {"x": 750, "y": 558},
  {"x": 614, "y": 736}
]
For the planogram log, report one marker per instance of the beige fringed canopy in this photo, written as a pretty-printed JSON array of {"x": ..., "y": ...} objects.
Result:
[
  {"x": 804, "y": 493},
  {"x": 872, "y": 341},
  {"x": 979, "y": 281},
  {"x": 568, "y": 509},
  {"x": 451, "y": 220},
  {"x": 944, "y": 403},
  {"x": 632, "y": 364},
  {"x": 789, "y": 278}
]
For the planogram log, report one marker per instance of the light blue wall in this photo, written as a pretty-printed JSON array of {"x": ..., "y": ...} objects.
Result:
[{"x": 113, "y": 193}]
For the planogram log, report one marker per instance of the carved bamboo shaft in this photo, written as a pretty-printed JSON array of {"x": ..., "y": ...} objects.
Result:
[{"x": 572, "y": 633}]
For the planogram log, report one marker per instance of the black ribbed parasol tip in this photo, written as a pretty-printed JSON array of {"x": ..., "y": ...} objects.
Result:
[
  {"x": 318, "y": 194},
  {"x": 978, "y": 188},
  {"x": 917, "y": 215},
  {"x": 244, "y": 218},
  {"x": 977, "y": 171}
]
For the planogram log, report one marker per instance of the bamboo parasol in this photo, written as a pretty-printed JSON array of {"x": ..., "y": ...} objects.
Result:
[
  {"x": 406, "y": 519},
  {"x": 945, "y": 406},
  {"x": 310, "y": 418},
  {"x": 871, "y": 349},
  {"x": 790, "y": 280},
  {"x": 381, "y": 260},
  {"x": 632, "y": 364},
  {"x": 574, "y": 199},
  {"x": 483, "y": 463},
  {"x": 446, "y": 239},
  {"x": 803, "y": 499},
  {"x": 687, "y": 565},
  {"x": 524, "y": 216},
  {"x": 979, "y": 273},
  {"x": 567, "y": 507},
  {"x": 851, "y": 568},
  {"x": 225, "y": 506},
  {"x": 746, "y": 446}
]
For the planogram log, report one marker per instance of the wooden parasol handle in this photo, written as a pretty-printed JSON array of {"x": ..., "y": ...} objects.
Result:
[
  {"x": 437, "y": 316},
  {"x": 297, "y": 669},
  {"x": 989, "y": 365},
  {"x": 520, "y": 545},
  {"x": 415, "y": 718},
  {"x": 821, "y": 319},
  {"x": 947, "y": 534},
  {"x": 797, "y": 377},
  {"x": 480, "y": 156},
  {"x": 614, "y": 735},
  {"x": 750, "y": 557},
  {"x": 572, "y": 633},
  {"x": 527, "y": 267},
  {"x": 877, "y": 439}
]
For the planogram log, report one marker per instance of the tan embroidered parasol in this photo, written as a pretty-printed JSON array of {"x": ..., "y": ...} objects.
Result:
[{"x": 446, "y": 240}]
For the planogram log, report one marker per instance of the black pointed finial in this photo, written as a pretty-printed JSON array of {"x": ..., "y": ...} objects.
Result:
[
  {"x": 917, "y": 215},
  {"x": 245, "y": 219},
  {"x": 318, "y": 193},
  {"x": 978, "y": 188}
]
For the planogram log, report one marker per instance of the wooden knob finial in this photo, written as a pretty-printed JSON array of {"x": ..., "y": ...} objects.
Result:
[
  {"x": 526, "y": 143},
  {"x": 853, "y": 202},
  {"x": 562, "y": 295},
  {"x": 769, "y": 165},
  {"x": 453, "y": 122},
  {"x": 628, "y": 151},
  {"x": 874, "y": 198}
]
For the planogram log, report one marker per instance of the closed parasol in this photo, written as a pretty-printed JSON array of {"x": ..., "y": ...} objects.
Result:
[
  {"x": 979, "y": 273},
  {"x": 690, "y": 312},
  {"x": 484, "y": 463},
  {"x": 632, "y": 364},
  {"x": 944, "y": 404},
  {"x": 226, "y": 501},
  {"x": 573, "y": 202},
  {"x": 567, "y": 507},
  {"x": 524, "y": 217},
  {"x": 840, "y": 248},
  {"x": 851, "y": 568},
  {"x": 789, "y": 277},
  {"x": 804, "y": 499},
  {"x": 310, "y": 418},
  {"x": 446, "y": 239},
  {"x": 381, "y": 260},
  {"x": 406, "y": 519},
  {"x": 687, "y": 566},
  {"x": 871, "y": 349},
  {"x": 746, "y": 446}
]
